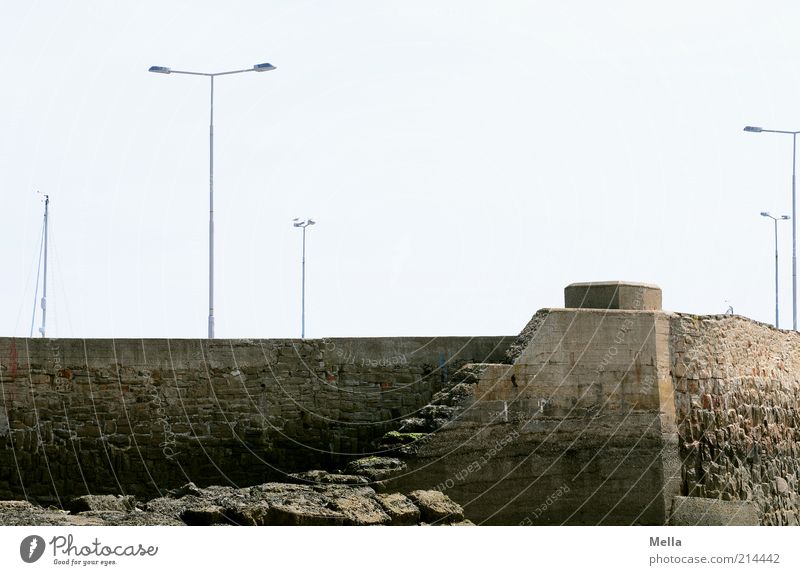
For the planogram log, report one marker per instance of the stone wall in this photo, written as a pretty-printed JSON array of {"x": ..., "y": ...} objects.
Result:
[
  {"x": 589, "y": 416},
  {"x": 737, "y": 397},
  {"x": 141, "y": 416}
]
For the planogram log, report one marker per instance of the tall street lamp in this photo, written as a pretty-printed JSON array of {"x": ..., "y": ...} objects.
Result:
[
  {"x": 794, "y": 215},
  {"x": 163, "y": 70},
  {"x": 303, "y": 224},
  {"x": 775, "y": 221}
]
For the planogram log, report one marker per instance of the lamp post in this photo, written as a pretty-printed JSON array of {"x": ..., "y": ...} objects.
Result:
[
  {"x": 794, "y": 215},
  {"x": 164, "y": 70},
  {"x": 303, "y": 224},
  {"x": 775, "y": 221}
]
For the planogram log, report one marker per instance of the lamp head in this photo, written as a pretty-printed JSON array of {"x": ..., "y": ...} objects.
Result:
[
  {"x": 785, "y": 218},
  {"x": 752, "y": 129},
  {"x": 766, "y": 214},
  {"x": 160, "y": 70},
  {"x": 265, "y": 67}
]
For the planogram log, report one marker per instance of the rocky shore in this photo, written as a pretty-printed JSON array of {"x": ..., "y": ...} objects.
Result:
[{"x": 355, "y": 496}]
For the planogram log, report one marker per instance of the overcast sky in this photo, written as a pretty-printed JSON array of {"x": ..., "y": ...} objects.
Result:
[{"x": 465, "y": 160}]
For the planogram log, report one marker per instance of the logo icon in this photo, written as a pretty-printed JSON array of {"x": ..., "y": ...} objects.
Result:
[{"x": 31, "y": 548}]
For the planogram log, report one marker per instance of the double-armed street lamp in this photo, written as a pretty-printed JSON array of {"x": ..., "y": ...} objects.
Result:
[
  {"x": 303, "y": 224},
  {"x": 164, "y": 70},
  {"x": 775, "y": 221},
  {"x": 794, "y": 215}
]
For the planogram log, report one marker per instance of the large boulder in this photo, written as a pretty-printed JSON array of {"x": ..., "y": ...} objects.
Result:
[
  {"x": 436, "y": 507},
  {"x": 399, "y": 508}
]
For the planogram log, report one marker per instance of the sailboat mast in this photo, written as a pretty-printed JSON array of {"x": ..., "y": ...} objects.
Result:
[{"x": 44, "y": 281}]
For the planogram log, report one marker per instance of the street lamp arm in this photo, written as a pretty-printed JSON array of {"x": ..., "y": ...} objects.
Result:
[
  {"x": 232, "y": 72},
  {"x": 189, "y": 73},
  {"x": 780, "y": 131}
]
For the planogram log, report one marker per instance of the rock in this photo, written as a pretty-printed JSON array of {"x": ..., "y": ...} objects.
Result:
[
  {"x": 265, "y": 504},
  {"x": 304, "y": 508},
  {"x": 313, "y": 476},
  {"x": 24, "y": 513},
  {"x": 137, "y": 518},
  {"x": 401, "y": 438},
  {"x": 16, "y": 506},
  {"x": 188, "y": 489},
  {"x": 122, "y": 503},
  {"x": 399, "y": 508},
  {"x": 256, "y": 514},
  {"x": 436, "y": 507},
  {"x": 207, "y": 515},
  {"x": 376, "y": 468},
  {"x": 171, "y": 507},
  {"x": 781, "y": 486},
  {"x": 361, "y": 510},
  {"x": 324, "y": 477},
  {"x": 413, "y": 425},
  {"x": 288, "y": 504}
]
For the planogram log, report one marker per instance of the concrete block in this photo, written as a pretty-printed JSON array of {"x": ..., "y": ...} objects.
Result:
[
  {"x": 613, "y": 295},
  {"x": 705, "y": 511}
]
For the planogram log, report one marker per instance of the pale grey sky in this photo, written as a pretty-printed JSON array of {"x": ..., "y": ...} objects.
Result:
[{"x": 465, "y": 160}]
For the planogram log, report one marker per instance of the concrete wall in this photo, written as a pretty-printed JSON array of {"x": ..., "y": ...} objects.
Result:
[
  {"x": 141, "y": 416},
  {"x": 575, "y": 431}
]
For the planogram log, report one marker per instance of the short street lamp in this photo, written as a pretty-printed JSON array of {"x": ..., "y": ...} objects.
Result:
[
  {"x": 303, "y": 224},
  {"x": 775, "y": 221}
]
